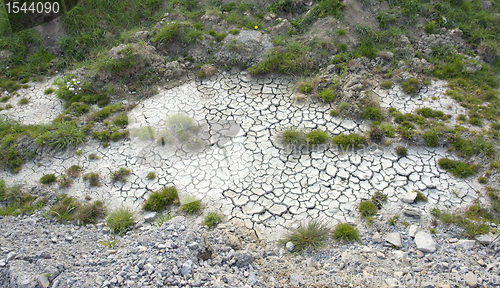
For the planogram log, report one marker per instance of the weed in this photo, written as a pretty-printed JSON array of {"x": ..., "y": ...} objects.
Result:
[
  {"x": 372, "y": 113},
  {"x": 48, "y": 179},
  {"x": 119, "y": 221},
  {"x": 106, "y": 111},
  {"x": 430, "y": 113},
  {"x": 206, "y": 70},
  {"x": 116, "y": 136},
  {"x": 191, "y": 204},
  {"x": 420, "y": 197},
  {"x": 410, "y": 86},
  {"x": 74, "y": 171},
  {"x": 151, "y": 175},
  {"x": 93, "y": 179},
  {"x": 431, "y": 138},
  {"x": 23, "y": 101},
  {"x": 475, "y": 146},
  {"x": 101, "y": 135},
  {"x": 64, "y": 208},
  {"x": 120, "y": 174},
  {"x": 401, "y": 151},
  {"x": 475, "y": 121},
  {"x": 65, "y": 181},
  {"x": 327, "y": 95},
  {"x": 367, "y": 209},
  {"x": 433, "y": 231},
  {"x": 292, "y": 136},
  {"x": 482, "y": 180},
  {"x": 346, "y": 232},
  {"x": 311, "y": 235},
  {"x": 5, "y": 99},
  {"x": 393, "y": 220},
  {"x": 376, "y": 134},
  {"x": 94, "y": 157},
  {"x": 430, "y": 27},
  {"x": 158, "y": 201},
  {"x": 110, "y": 244},
  {"x": 65, "y": 135},
  {"x": 163, "y": 218},
  {"x": 316, "y": 137},
  {"x": 341, "y": 32},
  {"x": 121, "y": 120},
  {"x": 386, "y": 84},
  {"x": 306, "y": 87},
  {"x": 48, "y": 91},
  {"x": 350, "y": 140},
  {"x": 457, "y": 168},
  {"x": 234, "y": 31},
  {"x": 212, "y": 219},
  {"x": 91, "y": 212},
  {"x": 378, "y": 198}
]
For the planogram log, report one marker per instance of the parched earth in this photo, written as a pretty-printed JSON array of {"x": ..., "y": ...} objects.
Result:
[{"x": 235, "y": 164}]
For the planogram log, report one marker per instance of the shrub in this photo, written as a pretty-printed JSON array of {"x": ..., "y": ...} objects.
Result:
[
  {"x": 48, "y": 179},
  {"x": 91, "y": 212},
  {"x": 430, "y": 138},
  {"x": 354, "y": 140},
  {"x": 212, "y": 219},
  {"x": 345, "y": 231},
  {"x": 74, "y": 171},
  {"x": 158, "y": 201},
  {"x": 48, "y": 91},
  {"x": 312, "y": 235},
  {"x": 327, "y": 95},
  {"x": 457, "y": 168},
  {"x": 372, "y": 113},
  {"x": 5, "y": 99},
  {"x": 116, "y": 136},
  {"x": 24, "y": 101},
  {"x": 93, "y": 178},
  {"x": 120, "y": 221},
  {"x": 151, "y": 175},
  {"x": 386, "y": 84},
  {"x": 121, "y": 120},
  {"x": 401, "y": 151},
  {"x": 378, "y": 198},
  {"x": 410, "y": 86},
  {"x": 482, "y": 180},
  {"x": 101, "y": 135},
  {"x": 305, "y": 88},
  {"x": 106, "y": 111},
  {"x": 376, "y": 134},
  {"x": 64, "y": 208},
  {"x": 420, "y": 197},
  {"x": 430, "y": 27},
  {"x": 65, "y": 182},
  {"x": 120, "y": 174},
  {"x": 143, "y": 133},
  {"x": 292, "y": 136},
  {"x": 430, "y": 113},
  {"x": 475, "y": 121},
  {"x": 191, "y": 204},
  {"x": 316, "y": 137},
  {"x": 367, "y": 209},
  {"x": 341, "y": 32}
]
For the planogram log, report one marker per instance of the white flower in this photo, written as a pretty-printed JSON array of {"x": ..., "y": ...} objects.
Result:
[
  {"x": 80, "y": 88},
  {"x": 67, "y": 83},
  {"x": 74, "y": 79},
  {"x": 71, "y": 88},
  {"x": 78, "y": 82}
]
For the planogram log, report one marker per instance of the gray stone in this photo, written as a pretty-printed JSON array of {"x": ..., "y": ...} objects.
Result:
[
  {"x": 149, "y": 217},
  {"x": 413, "y": 230},
  {"x": 394, "y": 239},
  {"x": 471, "y": 279},
  {"x": 466, "y": 244},
  {"x": 410, "y": 211},
  {"x": 44, "y": 280},
  {"x": 409, "y": 197},
  {"x": 187, "y": 268},
  {"x": 243, "y": 258},
  {"x": 290, "y": 246},
  {"x": 425, "y": 242},
  {"x": 376, "y": 237},
  {"x": 193, "y": 246},
  {"x": 485, "y": 239}
]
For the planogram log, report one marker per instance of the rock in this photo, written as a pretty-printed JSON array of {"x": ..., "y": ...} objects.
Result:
[
  {"x": 409, "y": 197},
  {"x": 471, "y": 279},
  {"x": 193, "y": 246},
  {"x": 44, "y": 280},
  {"x": 466, "y": 244},
  {"x": 485, "y": 239},
  {"x": 413, "y": 230},
  {"x": 394, "y": 239},
  {"x": 425, "y": 242},
  {"x": 410, "y": 211},
  {"x": 290, "y": 246},
  {"x": 243, "y": 258},
  {"x": 376, "y": 237},
  {"x": 234, "y": 242},
  {"x": 187, "y": 268},
  {"x": 149, "y": 217},
  {"x": 486, "y": 5}
]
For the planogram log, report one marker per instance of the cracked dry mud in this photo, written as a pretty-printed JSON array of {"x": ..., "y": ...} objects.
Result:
[{"x": 240, "y": 168}]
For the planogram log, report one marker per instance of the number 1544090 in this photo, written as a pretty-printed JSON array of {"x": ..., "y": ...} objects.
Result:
[{"x": 33, "y": 7}]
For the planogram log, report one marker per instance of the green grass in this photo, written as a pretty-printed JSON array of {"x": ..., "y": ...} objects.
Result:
[
  {"x": 62, "y": 136},
  {"x": 15, "y": 202},
  {"x": 116, "y": 136},
  {"x": 410, "y": 86},
  {"x": 191, "y": 204},
  {"x": 151, "y": 175},
  {"x": 458, "y": 168},
  {"x": 430, "y": 113},
  {"x": 93, "y": 179},
  {"x": 311, "y": 235},
  {"x": 48, "y": 179},
  {"x": 121, "y": 121},
  {"x": 74, "y": 171},
  {"x": 292, "y": 136},
  {"x": 120, "y": 175},
  {"x": 49, "y": 91},
  {"x": 65, "y": 208},
  {"x": 431, "y": 138},
  {"x": 474, "y": 146},
  {"x": 367, "y": 209},
  {"x": 393, "y": 220},
  {"x": 316, "y": 137},
  {"x": 376, "y": 134},
  {"x": 327, "y": 95},
  {"x": 372, "y": 113},
  {"x": 212, "y": 219},
  {"x": 349, "y": 140},
  {"x": 158, "y": 201},
  {"x": 106, "y": 112},
  {"x": 346, "y": 232},
  {"x": 470, "y": 221},
  {"x": 386, "y": 84},
  {"x": 23, "y": 101},
  {"x": 65, "y": 181},
  {"x": 102, "y": 135},
  {"x": 94, "y": 157},
  {"x": 90, "y": 213},
  {"x": 420, "y": 197},
  {"x": 120, "y": 221},
  {"x": 378, "y": 198}
]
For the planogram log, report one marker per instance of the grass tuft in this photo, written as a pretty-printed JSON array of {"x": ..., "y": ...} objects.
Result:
[
  {"x": 346, "y": 232},
  {"x": 311, "y": 235},
  {"x": 367, "y": 209},
  {"x": 119, "y": 221},
  {"x": 458, "y": 168},
  {"x": 191, "y": 204},
  {"x": 48, "y": 179},
  {"x": 158, "y": 201},
  {"x": 212, "y": 219}
]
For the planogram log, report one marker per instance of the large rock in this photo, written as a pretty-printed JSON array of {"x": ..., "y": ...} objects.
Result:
[
  {"x": 485, "y": 239},
  {"x": 409, "y": 197},
  {"x": 466, "y": 244},
  {"x": 394, "y": 239},
  {"x": 425, "y": 242}
]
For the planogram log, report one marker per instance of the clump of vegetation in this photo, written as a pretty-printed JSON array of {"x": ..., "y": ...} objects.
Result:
[
  {"x": 457, "y": 168},
  {"x": 120, "y": 221},
  {"x": 65, "y": 181},
  {"x": 306, "y": 87},
  {"x": 393, "y": 220},
  {"x": 473, "y": 227},
  {"x": 327, "y": 95},
  {"x": 386, "y": 84},
  {"x": 316, "y": 137},
  {"x": 74, "y": 171},
  {"x": 93, "y": 178},
  {"x": 410, "y": 86},
  {"x": 378, "y": 198},
  {"x": 48, "y": 179},
  {"x": 206, "y": 70},
  {"x": 475, "y": 146},
  {"x": 158, "y": 201},
  {"x": 367, "y": 209},
  {"x": 350, "y": 140},
  {"x": 65, "y": 208},
  {"x": 420, "y": 197},
  {"x": 431, "y": 138},
  {"x": 90, "y": 213},
  {"x": 121, "y": 120},
  {"x": 120, "y": 175},
  {"x": 482, "y": 180},
  {"x": 212, "y": 219},
  {"x": 292, "y": 136},
  {"x": 106, "y": 112},
  {"x": 49, "y": 91},
  {"x": 388, "y": 129},
  {"x": 376, "y": 134},
  {"x": 430, "y": 113},
  {"x": 116, "y": 136},
  {"x": 311, "y": 235},
  {"x": 151, "y": 175},
  {"x": 64, "y": 135},
  {"x": 16, "y": 203},
  {"x": 24, "y": 101},
  {"x": 191, "y": 204},
  {"x": 346, "y": 232},
  {"x": 372, "y": 113},
  {"x": 101, "y": 135},
  {"x": 94, "y": 157}
]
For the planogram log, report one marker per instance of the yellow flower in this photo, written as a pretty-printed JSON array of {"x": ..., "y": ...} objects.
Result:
[{"x": 256, "y": 27}]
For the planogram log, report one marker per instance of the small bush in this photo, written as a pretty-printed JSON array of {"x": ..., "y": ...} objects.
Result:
[
  {"x": 116, "y": 136},
  {"x": 386, "y": 84},
  {"x": 345, "y": 231},
  {"x": 401, "y": 151},
  {"x": 191, "y": 204},
  {"x": 65, "y": 208},
  {"x": 120, "y": 175},
  {"x": 420, "y": 197},
  {"x": 410, "y": 86},
  {"x": 24, "y": 101},
  {"x": 312, "y": 235},
  {"x": 121, "y": 120},
  {"x": 158, "y": 201},
  {"x": 106, "y": 111},
  {"x": 372, "y": 113},
  {"x": 206, "y": 70},
  {"x": 5, "y": 99},
  {"x": 65, "y": 181},
  {"x": 91, "y": 212},
  {"x": 151, "y": 175},
  {"x": 316, "y": 137},
  {"x": 212, "y": 219},
  {"x": 388, "y": 129},
  {"x": 93, "y": 178},
  {"x": 49, "y": 91},
  {"x": 376, "y": 134},
  {"x": 430, "y": 113},
  {"x": 341, "y": 32},
  {"x": 305, "y": 88},
  {"x": 367, "y": 209},
  {"x": 101, "y": 135},
  {"x": 292, "y": 136},
  {"x": 74, "y": 171},
  {"x": 476, "y": 121},
  {"x": 430, "y": 138},
  {"x": 48, "y": 179},
  {"x": 430, "y": 27},
  {"x": 345, "y": 141},
  {"x": 94, "y": 157},
  {"x": 482, "y": 180},
  {"x": 120, "y": 221},
  {"x": 327, "y": 95},
  {"x": 457, "y": 168}
]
